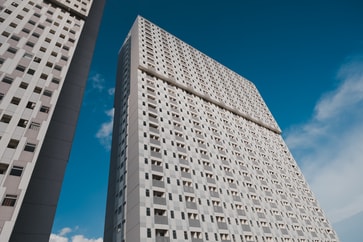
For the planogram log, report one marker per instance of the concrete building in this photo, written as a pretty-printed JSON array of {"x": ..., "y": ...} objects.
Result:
[
  {"x": 46, "y": 48},
  {"x": 197, "y": 155}
]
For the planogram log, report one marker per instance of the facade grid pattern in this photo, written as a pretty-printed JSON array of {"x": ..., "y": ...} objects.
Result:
[
  {"x": 38, "y": 41},
  {"x": 197, "y": 154}
]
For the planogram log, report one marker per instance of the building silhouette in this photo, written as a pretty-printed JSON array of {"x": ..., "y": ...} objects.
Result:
[
  {"x": 196, "y": 154},
  {"x": 46, "y": 48}
]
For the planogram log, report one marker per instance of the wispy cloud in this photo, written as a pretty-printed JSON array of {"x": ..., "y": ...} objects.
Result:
[
  {"x": 63, "y": 237},
  {"x": 111, "y": 91},
  {"x": 104, "y": 134},
  {"x": 97, "y": 82},
  {"x": 65, "y": 231},
  {"x": 329, "y": 147}
]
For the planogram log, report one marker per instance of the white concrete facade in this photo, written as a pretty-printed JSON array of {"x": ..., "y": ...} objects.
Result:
[
  {"x": 197, "y": 155},
  {"x": 38, "y": 42}
]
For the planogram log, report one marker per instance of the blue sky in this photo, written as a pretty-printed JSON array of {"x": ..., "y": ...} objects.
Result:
[{"x": 306, "y": 59}]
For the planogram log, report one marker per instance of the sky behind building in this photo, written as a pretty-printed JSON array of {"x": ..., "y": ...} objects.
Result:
[{"x": 306, "y": 59}]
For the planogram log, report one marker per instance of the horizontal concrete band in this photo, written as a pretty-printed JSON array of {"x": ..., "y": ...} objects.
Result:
[{"x": 208, "y": 99}]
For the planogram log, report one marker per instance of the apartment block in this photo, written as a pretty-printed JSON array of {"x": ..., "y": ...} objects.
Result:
[
  {"x": 46, "y": 49},
  {"x": 197, "y": 155}
]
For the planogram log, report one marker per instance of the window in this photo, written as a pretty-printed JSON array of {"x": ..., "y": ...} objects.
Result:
[
  {"x": 37, "y": 90},
  {"x": 44, "y": 109},
  {"x": 58, "y": 68},
  {"x": 55, "y": 80},
  {"x": 30, "y": 44},
  {"x": 44, "y": 76},
  {"x": 15, "y": 100},
  {"x": 6, "y": 118},
  {"x": 9, "y": 200},
  {"x": 3, "y": 168},
  {"x": 23, "y": 85},
  {"x": 31, "y": 72},
  {"x": 34, "y": 126},
  {"x": 16, "y": 171},
  {"x": 6, "y": 34},
  {"x": 30, "y": 105},
  {"x": 22, "y": 123},
  {"x": 29, "y": 147},
  {"x": 13, "y": 143},
  {"x": 149, "y": 233},
  {"x": 8, "y": 80},
  {"x": 12, "y": 50},
  {"x": 1, "y": 96},
  {"x": 20, "y": 68}
]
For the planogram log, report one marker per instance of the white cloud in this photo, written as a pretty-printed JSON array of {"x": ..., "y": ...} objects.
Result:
[
  {"x": 329, "y": 147},
  {"x": 111, "y": 91},
  {"x": 65, "y": 231},
  {"x": 62, "y": 236},
  {"x": 104, "y": 134},
  {"x": 81, "y": 238},
  {"x": 57, "y": 238},
  {"x": 98, "y": 82}
]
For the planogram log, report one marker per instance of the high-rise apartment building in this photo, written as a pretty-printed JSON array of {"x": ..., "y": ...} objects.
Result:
[
  {"x": 46, "y": 48},
  {"x": 197, "y": 155}
]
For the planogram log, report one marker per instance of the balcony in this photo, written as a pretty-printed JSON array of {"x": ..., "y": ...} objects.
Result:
[
  {"x": 152, "y": 119},
  {"x": 256, "y": 202},
  {"x": 236, "y": 198},
  {"x": 218, "y": 209},
  {"x": 211, "y": 180},
  {"x": 214, "y": 194},
  {"x": 266, "y": 230},
  {"x": 200, "y": 136},
  {"x": 188, "y": 189},
  {"x": 155, "y": 142},
  {"x": 159, "y": 200},
  {"x": 197, "y": 240},
  {"x": 251, "y": 189},
  {"x": 154, "y": 130},
  {"x": 181, "y": 149},
  {"x": 204, "y": 156},
  {"x": 178, "y": 128},
  {"x": 184, "y": 162},
  {"x": 207, "y": 168},
  {"x": 233, "y": 185},
  {"x": 162, "y": 239},
  {"x": 225, "y": 162},
  {"x": 194, "y": 223},
  {"x": 152, "y": 110},
  {"x": 241, "y": 212},
  {"x": 191, "y": 205},
  {"x": 155, "y": 154},
  {"x": 158, "y": 219},
  {"x": 246, "y": 227},
  {"x": 158, "y": 183},
  {"x": 178, "y": 138},
  {"x": 157, "y": 168},
  {"x": 228, "y": 173},
  {"x": 222, "y": 225},
  {"x": 186, "y": 174}
]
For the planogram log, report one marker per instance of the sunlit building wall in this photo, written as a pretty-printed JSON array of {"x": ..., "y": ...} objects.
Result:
[
  {"x": 46, "y": 49},
  {"x": 197, "y": 155}
]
